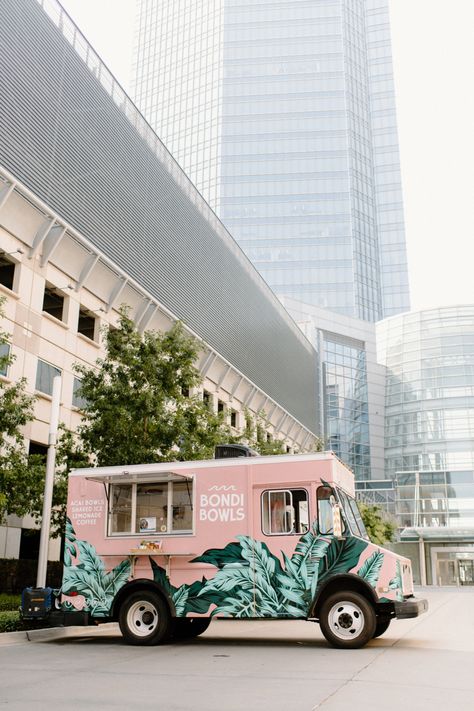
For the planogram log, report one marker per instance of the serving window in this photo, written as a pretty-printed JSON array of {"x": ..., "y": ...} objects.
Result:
[
  {"x": 285, "y": 512},
  {"x": 148, "y": 508}
]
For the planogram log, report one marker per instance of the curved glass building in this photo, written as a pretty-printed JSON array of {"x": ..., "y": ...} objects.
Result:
[
  {"x": 429, "y": 418},
  {"x": 429, "y": 433}
]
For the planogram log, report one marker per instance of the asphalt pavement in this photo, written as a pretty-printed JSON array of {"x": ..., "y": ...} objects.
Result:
[{"x": 424, "y": 663}]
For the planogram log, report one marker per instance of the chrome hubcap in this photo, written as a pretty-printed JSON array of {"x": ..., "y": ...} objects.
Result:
[
  {"x": 346, "y": 620},
  {"x": 142, "y": 618}
]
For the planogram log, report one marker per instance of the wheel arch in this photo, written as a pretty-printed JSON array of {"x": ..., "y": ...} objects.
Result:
[
  {"x": 336, "y": 583},
  {"x": 136, "y": 586}
]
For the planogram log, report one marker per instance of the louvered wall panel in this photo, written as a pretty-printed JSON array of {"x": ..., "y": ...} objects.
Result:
[{"x": 66, "y": 139}]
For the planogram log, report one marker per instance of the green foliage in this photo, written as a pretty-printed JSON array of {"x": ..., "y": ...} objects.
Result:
[
  {"x": 10, "y": 621},
  {"x": 18, "y": 484},
  {"x": 135, "y": 410},
  {"x": 379, "y": 527},
  {"x": 255, "y": 435},
  {"x": 9, "y": 602}
]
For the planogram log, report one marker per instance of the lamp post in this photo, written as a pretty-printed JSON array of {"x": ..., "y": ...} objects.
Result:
[{"x": 48, "y": 485}]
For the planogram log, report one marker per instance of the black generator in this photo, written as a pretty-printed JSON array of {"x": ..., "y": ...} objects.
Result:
[
  {"x": 37, "y": 602},
  {"x": 226, "y": 451}
]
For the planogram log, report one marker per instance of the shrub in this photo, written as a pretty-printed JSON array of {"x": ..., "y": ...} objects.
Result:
[
  {"x": 9, "y": 602},
  {"x": 10, "y": 621}
]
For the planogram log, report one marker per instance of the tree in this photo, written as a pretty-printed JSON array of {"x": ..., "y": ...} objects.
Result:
[
  {"x": 378, "y": 524},
  {"x": 137, "y": 407},
  {"x": 18, "y": 482},
  {"x": 255, "y": 435}
]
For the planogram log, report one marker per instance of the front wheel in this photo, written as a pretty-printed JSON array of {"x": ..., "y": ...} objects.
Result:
[
  {"x": 347, "y": 620},
  {"x": 144, "y": 618},
  {"x": 381, "y": 626}
]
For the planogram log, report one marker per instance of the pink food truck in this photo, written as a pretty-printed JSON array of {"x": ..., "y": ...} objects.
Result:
[{"x": 165, "y": 548}]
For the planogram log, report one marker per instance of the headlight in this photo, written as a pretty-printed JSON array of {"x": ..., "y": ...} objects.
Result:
[{"x": 407, "y": 578}]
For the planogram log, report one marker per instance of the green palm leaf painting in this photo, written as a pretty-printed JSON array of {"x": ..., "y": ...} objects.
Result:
[
  {"x": 250, "y": 580},
  {"x": 396, "y": 583},
  {"x": 89, "y": 577},
  {"x": 370, "y": 570},
  {"x": 341, "y": 556}
]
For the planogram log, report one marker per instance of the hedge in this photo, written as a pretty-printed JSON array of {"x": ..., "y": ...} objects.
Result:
[
  {"x": 10, "y": 622},
  {"x": 15, "y": 575},
  {"x": 9, "y": 602}
]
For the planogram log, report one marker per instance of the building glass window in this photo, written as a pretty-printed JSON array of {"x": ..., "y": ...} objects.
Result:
[
  {"x": 4, "y": 358},
  {"x": 45, "y": 373},
  {"x": 77, "y": 400},
  {"x": 53, "y": 303},
  {"x": 86, "y": 324},
  {"x": 7, "y": 272}
]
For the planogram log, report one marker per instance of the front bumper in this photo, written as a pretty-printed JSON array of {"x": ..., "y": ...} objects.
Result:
[{"x": 412, "y": 607}]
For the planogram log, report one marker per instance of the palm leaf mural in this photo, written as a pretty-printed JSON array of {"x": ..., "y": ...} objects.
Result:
[
  {"x": 89, "y": 560},
  {"x": 341, "y": 556},
  {"x": 89, "y": 577},
  {"x": 229, "y": 578},
  {"x": 300, "y": 578},
  {"x": 196, "y": 602},
  {"x": 370, "y": 570},
  {"x": 219, "y": 557},
  {"x": 179, "y": 599},
  {"x": 396, "y": 583},
  {"x": 250, "y": 580},
  {"x": 185, "y": 597},
  {"x": 69, "y": 543},
  {"x": 242, "y": 605}
]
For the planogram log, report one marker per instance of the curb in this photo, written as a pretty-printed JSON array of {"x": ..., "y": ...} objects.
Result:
[{"x": 50, "y": 634}]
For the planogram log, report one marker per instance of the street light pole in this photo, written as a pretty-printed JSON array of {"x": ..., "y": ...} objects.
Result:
[{"x": 48, "y": 484}]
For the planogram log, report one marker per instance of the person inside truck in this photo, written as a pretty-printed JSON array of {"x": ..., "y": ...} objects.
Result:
[{"x": 278, "y": 514}]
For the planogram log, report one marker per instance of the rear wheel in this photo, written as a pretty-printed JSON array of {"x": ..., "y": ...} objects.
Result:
[
  {"x": 188, "y": 627},
  {"x": 381, "y": 626},
  {"x": 145, "y": 619},
  {"x": 347, "y": 620}
]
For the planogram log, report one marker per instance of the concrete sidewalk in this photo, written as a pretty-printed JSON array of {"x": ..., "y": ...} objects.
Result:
[{"x": 51, "y": 634}]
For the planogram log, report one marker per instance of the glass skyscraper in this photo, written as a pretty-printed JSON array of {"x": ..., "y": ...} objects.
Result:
[
  {"x": 429, "y": 402},
  {"x": 282, "y": 113}
]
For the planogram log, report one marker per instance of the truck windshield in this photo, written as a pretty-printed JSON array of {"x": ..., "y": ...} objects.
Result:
[{"x": 352, "y": 513}]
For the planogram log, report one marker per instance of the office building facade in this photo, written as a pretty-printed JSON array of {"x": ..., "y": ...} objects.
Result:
[
  {"x": 94, "y": 212},
  {"x": 429, "y": 436},
  {"x": 283, "y": 115},
  {"x": 352, "y": 384}
]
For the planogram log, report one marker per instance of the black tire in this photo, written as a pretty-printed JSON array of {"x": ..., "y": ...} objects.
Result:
[
  {"x": 188, "y": 627},
  {"x": 145, "y": 619},
  {"x": 381, "y": 626},
  {"x": 347, "y": 620}
]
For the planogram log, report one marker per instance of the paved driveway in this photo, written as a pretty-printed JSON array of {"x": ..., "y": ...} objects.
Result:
[{"x": 426, "y": 663}]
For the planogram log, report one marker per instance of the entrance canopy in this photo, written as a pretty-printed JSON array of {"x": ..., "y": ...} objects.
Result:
[{"x": 440, "y": 533}]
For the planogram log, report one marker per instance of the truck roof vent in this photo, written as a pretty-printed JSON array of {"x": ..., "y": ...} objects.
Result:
[{"x": 225, "y": 451}]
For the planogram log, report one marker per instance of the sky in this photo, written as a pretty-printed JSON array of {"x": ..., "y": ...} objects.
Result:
[{"x": 433, "y": 57}]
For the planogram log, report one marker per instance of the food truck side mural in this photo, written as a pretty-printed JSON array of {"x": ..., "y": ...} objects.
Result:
[{"x": 250, "y": 580}]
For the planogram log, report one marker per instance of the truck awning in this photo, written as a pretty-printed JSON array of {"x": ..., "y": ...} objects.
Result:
[{"x": 127, "y": 477}]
